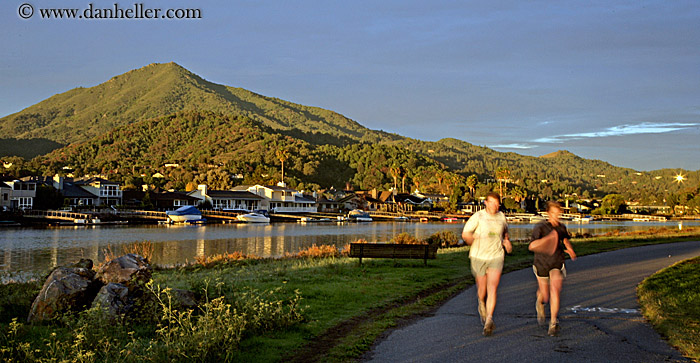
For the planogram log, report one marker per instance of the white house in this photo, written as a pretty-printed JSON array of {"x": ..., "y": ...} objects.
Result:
[
  {"x": 229, "y": 199},
  {"x": 279, "y": 199}
]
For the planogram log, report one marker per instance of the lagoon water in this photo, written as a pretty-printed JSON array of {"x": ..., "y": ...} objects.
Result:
[{"x": 31, "y": 251}]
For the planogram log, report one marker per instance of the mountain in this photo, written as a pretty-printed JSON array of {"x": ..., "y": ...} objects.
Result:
[
  {"x": 163, "y": 89},
  {"x": 137, "y": 122}
]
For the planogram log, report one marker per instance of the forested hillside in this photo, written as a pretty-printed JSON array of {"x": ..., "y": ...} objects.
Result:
[
  {"x": 163, "y": 89},
  {"x": 130, "y": 127}
]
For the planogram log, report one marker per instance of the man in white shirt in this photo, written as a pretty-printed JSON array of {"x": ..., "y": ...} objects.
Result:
[{"x": 486, "y": 232}]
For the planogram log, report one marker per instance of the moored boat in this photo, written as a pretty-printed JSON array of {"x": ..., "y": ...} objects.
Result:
[
  {"x": 580, "y": 219},
  {"x": 358, "y": 215},
  {"x": 184, "y": 214},
  {"x": 253, "y": 218}
]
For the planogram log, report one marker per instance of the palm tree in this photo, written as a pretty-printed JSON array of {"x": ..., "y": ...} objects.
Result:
[
  {"x": 395, "y": 173},
  {"x": 519, "y": 194},
  {"x": 502, "y": 175},
  {"x": 282, "y": 155},
  {"x": 471, "y": 183}
]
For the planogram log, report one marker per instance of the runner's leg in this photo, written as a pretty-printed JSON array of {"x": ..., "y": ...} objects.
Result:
[
  {"x": 493, "y": 277},
  {"x": 556, "y": 281}
]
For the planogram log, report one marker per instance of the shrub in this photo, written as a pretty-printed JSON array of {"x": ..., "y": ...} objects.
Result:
[
  {"x": 316, "y": 252},
  {"x": 208, "y": 261},
  {"x": 405, "y": 238},
  {"x": 443, "y": 239}
]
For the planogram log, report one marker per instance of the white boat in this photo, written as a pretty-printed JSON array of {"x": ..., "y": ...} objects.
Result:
[
  {"x": 358, "y": 215},
  {"x": 253, "y": 218},
  {"x": 184, "y": 214},
  {"x": 582, "y": 219}
]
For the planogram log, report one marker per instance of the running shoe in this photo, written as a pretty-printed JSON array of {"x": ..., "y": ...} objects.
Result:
[
  {"x": 553, "y": 329},
  {"x": 539, "y": 307},
  {"x": 488, "y": 327},
  {"x": 482, "y": 312}
]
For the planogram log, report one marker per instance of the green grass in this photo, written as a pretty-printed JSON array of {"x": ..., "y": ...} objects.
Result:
[
  {"x": 670, "y": 300},
  {"x": 344, "y": 308}
]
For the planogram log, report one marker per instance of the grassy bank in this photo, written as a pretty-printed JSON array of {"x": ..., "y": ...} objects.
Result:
[
  {"x": 670, "y": 300},
  {"x": 300, "y": 309}
]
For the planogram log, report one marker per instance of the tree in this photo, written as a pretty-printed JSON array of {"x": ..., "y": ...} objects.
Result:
[
  {"x": 282, "y": 155},
  {"x": 502, "y": 175},
  {"x": 395, "y": 174},
  {"x": 613, "y": 204},
  {"x": 472, "y": 180},
  {"x": 455, "y": 197}
]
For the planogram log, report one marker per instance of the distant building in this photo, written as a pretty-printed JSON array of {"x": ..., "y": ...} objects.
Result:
[
  {"x": 280, "y": 199},
  {"x": 228, "y": 199},
  {"x": 18, "y": 194}
]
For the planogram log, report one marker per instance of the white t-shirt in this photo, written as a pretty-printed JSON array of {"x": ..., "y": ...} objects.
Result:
[{"x": 488, "y": 233}]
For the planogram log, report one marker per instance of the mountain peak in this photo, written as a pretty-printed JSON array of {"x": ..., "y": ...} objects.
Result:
[
  {"x": 557, "y": 154},
  {"x": 161, "y": 89}
]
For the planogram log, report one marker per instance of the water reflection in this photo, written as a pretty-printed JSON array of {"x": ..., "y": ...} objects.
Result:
[{"x": 40, "y": 249}]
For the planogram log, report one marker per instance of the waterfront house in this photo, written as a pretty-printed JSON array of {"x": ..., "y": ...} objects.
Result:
[
  {"x": 352, "y": 201},
  {"x": 77, "y": 196},
  {"x": 280, "y": 199},
  {"x": 407, "y": 202},
  {"x": 107, "y": 192},
  {"x": 18, "y": 194},
  {"x": 160, "y": 200},
  {"x": 229, "y": 199},
  {"x": 5, "y": 192},
  {"x": 325, "y": 205},
  {"x": 471, "y": 207}
]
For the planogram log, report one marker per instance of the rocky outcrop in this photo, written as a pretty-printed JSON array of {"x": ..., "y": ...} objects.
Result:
[
  {"x": 114, "y": 300},
  {"x": 117, "y": 289},
  {"x": 129, "y": 270},
  {"x": 68, "y": 288}
]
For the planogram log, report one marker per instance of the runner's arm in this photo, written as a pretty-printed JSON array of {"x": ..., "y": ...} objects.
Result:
[
  {"x": 506, "y": 243},
  {"x": 569, "y": 249}
]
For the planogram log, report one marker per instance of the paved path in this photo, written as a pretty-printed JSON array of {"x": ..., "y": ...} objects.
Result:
[{"x": 600, "y": 317}]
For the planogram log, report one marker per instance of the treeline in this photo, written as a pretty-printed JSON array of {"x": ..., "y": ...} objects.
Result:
[{"x": 224, "y": 150}]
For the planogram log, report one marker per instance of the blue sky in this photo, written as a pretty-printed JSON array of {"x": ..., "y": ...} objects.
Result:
[{"x": 617, "y": 81}]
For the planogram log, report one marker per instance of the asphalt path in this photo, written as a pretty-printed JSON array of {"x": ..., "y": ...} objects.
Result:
[{"x": 599, "y": 317}]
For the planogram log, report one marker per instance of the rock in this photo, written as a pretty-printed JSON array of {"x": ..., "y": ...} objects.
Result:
[
  {"x": 114, "y": 300},
  {"x": 129, "y": 270},
  {"x": 66, "y": 289}
]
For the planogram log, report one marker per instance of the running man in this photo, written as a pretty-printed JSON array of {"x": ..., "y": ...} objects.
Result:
[
  {"x": 486, "y": 232},
  {"x": 547, "y": 239}
]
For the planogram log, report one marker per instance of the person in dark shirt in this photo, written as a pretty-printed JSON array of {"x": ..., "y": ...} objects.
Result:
[{"x": 550, "y": 240}]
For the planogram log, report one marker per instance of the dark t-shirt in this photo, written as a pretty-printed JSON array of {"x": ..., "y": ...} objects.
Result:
[{"x": 557, "y": 259}]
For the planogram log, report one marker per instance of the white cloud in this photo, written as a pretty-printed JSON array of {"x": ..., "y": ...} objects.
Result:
[
  {"x": 643, "y": 128},
  {"x": 513, "y": 146}
]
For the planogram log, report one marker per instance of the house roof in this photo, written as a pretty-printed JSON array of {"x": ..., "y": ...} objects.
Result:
[
  {"x": 70, "y": 190},
  {"x": 407, "y": 198},
  {"x": 233, "y": 194},
  {"x": 304, "y": 199},
  {"x": 348, "y": 197}
]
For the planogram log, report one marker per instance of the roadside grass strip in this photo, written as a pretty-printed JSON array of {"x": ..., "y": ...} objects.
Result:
[{"x": 670, "y": 300}]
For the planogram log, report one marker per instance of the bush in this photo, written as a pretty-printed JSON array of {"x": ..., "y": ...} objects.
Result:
[
  {"x": 443, "y": 239},
  {"x": 405, "y": 238}
]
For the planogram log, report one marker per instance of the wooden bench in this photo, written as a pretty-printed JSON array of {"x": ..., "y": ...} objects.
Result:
[{"x": 393, "y": 250}]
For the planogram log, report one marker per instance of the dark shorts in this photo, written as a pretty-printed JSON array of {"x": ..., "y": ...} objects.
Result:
[{"x": 542, "y": 272}]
